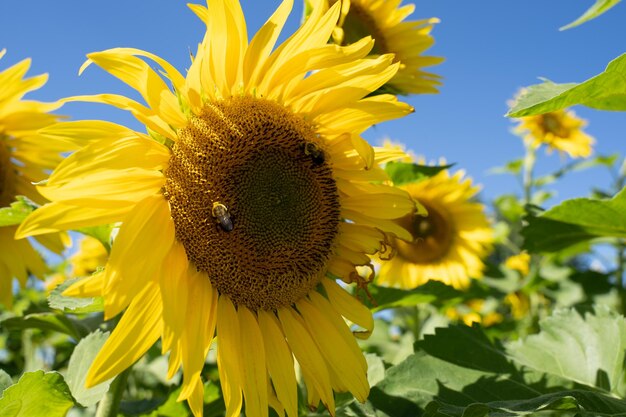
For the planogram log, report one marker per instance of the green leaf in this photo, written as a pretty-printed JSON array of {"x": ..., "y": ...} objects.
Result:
[
  {"x": 37, "y": 394},
  {"x": 71, "y": 304},
  {"x": 102, "y": 233},
  {"x": 5, "y": 380},
  {"x": 575, "y": 221},
  {"x": 512, "y": 167},
  {"x": 405, "y": 173},
  {"x": 19, "y": 210},
  {"x": 48, "y": 321},
  {"x": 599, "y": 7},
  {"x": 80, "y": 361},
  {"x": 468, "y": 347},
  {"x": 429, "y": 292},
  {"x": 586, "y": 403},
  {"x": 606, "y": 91},
  {"x": 589, "y": 350},
  {"x": 171, "y": 407}
]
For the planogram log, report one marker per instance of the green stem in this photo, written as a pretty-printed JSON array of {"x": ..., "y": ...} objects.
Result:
[
  {"x": 110, "y": 404},
  {"x": 529, "y": 165}
]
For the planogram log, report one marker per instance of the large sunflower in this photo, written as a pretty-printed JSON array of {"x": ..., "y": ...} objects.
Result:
[
  {"x": 449, "y": 243},
  {"x": 24, "y": 159},
  {"x": 384, "y": 21},
  {"x": 559, "y": 130},
  {"x": 256, "y": 194}
]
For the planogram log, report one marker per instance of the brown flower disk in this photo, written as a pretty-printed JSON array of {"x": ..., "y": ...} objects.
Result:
[{"x": 249, "y": 154}]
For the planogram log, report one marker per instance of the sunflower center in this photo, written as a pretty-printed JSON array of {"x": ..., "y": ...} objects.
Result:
[
  {"x": 254, "y": 201},
  {"x": 432, "y": 236},
  {"x": 7, "y": 174},
  {"x": 358, "y": 24},
  {"x": 552, "y": 124}
]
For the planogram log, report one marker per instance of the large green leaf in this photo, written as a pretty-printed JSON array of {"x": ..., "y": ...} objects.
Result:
[
  {"x": 80, "y": 361},
  {"x": 575, "y": 221},
  {"x": 585, "y": 403},
  {"x": 606, "y": 91},
  {"x": 37, "y": 394},
  {"x": 48, "y": 321},
  {"x": 589, "y": 350},
  {"x": 468, "y": 347},
  {"x": 405, "y": 173},
  {"x": 17, "y": 212},
  {"x": 598, "y": 8}
]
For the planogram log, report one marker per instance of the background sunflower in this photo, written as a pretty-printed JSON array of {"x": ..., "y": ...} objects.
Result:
[{"x": 24, "y": 159}]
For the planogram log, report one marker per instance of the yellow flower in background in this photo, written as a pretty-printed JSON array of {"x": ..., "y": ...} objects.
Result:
[
  {"x": 90, "y": 256},
  {"x": 384, "y": 21},
  {"x": 257, "y": 192},
  {"x": 24, "y": 159},
  {"x": 559, "y": 130},
  {"x": 520, "y": 263},
  {"x": 449, "y": 243},
  {"x": 474, "y": 311}
]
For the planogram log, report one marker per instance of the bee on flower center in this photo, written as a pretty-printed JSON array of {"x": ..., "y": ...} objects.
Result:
[
  {"x": 317, "y": 155},
  {"x": 221, "y": 214}
]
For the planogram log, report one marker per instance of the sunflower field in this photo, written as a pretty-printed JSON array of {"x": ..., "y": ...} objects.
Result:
[{"x": 239, "y": 234}]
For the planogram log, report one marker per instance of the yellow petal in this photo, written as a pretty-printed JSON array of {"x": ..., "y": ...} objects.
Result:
[
  {"x": 348, "y": 306},
  {"x": 139, "y": 249},
  {"x": 136, "y": 332},
  {"x": 91, "y": 286},
  {"x": 54, "y": 217},
  {"x": 261, "y": 45},
  {"x": 253, "y": 364},
  {"x": 228, "y": 355},
  {"x": 338, "y": 350},
  {"x": 138, "y": 74},
  {"x": 279, "y": 362},
  {"x": 307, "y": 353}
]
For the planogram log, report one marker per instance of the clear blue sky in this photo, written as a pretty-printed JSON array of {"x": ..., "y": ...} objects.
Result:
[{"x": 492, "y": 48}]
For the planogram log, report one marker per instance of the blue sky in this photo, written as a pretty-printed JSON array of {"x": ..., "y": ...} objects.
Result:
[{"x": 492, "y": 48}]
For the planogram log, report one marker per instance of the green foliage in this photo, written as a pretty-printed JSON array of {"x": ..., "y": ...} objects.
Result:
[
  {"x": 575, "y": 221},
  {"x": 606, "y": 91},
  {"x": 80, "y": 361},
  {"x": 102, "y": 233},
  {"x": 5, "y": 380},
  {"x": 578, "y": 349},
  {"x": 405, "y": 173},
  {"x": 430, "y": 292},
  {"x": 48, "y": 321},
  {"x": 583, "y": 403},
  {"x": 17, "y": 212},
  {"x": 37, "y": 394},
  {"x": 598, "y": 8},
  {"x": 71, "y": 304}
]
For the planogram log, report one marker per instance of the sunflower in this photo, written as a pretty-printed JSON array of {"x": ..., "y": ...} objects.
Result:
[
  {"x": 24, "y": 159},
  {"x": 449, "y": 243},
  {"x": 90, "y": 256},
  {"x": 252, "y": 193},
  {"x": 559, "y": 130},
  {"x": 383, "y": 20}
]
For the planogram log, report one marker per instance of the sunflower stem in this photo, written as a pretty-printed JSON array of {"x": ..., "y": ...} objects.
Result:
[
  {"x": 529, "y": 165},
  {"x": 110, "y": 403}
]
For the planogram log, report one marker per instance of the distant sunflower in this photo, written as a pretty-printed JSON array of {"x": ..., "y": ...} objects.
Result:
[
  {"x": 383, "y": 20},
  {"x": 256, "y": 195},
  {"x": 559, "y": 130},
  {"x": 24, "y": 159},
  {"x": 449, "y": 243}
]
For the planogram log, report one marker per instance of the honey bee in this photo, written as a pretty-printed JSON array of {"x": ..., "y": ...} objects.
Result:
[
  {"x": 317, "y": 155},
  {"x": 221, "y": 214}
]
